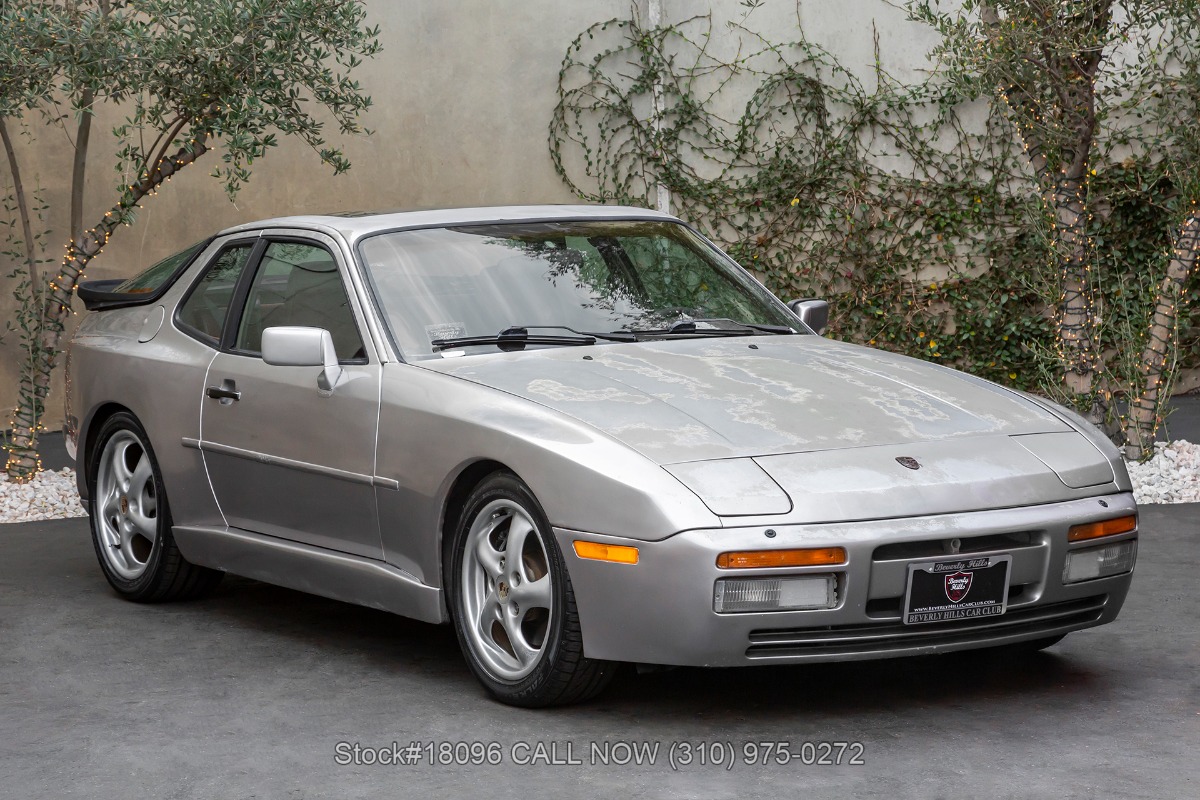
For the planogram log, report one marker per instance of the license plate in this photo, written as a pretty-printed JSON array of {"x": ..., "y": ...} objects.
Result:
[{"x": 954, "y": 589}]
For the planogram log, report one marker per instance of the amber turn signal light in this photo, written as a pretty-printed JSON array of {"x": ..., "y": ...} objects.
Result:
[
  {"x": 616, "y": 553},
  {"x": 1108, "y": 527},
  {"x": 808, "y": 557}
]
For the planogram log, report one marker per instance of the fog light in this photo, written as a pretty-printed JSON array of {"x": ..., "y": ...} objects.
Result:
[
  {"x": 1100, "y": 562},
  {"x": 737, "y": 595}
]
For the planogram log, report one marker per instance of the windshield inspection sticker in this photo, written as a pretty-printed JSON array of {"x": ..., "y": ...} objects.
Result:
[{"x": 445, "y": 330}]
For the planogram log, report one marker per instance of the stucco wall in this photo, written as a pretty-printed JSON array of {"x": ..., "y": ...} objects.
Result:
[{"x": 463, "y": 94}]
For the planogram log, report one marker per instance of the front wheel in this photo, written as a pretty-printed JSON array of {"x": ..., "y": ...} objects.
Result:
[
  {"x": 513, "y": 607},
  {"x": 131, "y": 521}
]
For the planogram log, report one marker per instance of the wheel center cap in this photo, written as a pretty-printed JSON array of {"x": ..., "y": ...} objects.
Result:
[
  {"x": 124, "y": 504},
  {"x": 502, "y": 591}
]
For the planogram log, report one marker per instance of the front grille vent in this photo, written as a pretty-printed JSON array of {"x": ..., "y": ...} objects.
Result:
[{"x": 848, "y": 640}]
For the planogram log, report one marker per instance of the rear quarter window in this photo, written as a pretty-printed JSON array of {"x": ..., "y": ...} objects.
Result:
[{"x": 154, "y": 278}]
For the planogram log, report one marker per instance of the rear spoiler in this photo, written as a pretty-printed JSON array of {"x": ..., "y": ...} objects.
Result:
[{"x": 99, "y": 295}]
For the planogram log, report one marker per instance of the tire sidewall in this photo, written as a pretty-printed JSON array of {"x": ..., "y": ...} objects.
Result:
[
  {"x": 506, "y": 486},
  {"x": 144, "y": 583}
]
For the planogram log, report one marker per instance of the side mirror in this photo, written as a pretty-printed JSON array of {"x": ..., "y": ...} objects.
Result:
[
  {"x": 813, "y": 313},
  {"x": 294, "y": 346}
]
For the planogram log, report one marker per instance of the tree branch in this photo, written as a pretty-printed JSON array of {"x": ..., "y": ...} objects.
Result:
[
  {"x": 22, "y": 210},
  {"x": 1035, "y": 146},
  {"x": 166, "y": 137},
  {"x": 79, "y": 163},
  {"x": 94, "y": 240}
]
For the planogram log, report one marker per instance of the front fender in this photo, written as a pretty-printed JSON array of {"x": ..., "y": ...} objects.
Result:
[{"x": 433, "y": 426}]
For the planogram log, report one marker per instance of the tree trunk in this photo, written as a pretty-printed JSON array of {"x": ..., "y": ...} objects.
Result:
[
  {"x": 1142, "y": 421},
  {"x": 24, "y": 454},
  {"x": 1075, "y": 334},
  {"x": 23, "y": 460},
  {"x": 1065, "y": 192}
]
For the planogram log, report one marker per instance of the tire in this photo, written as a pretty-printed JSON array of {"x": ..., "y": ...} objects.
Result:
[
  {"x": 131, "y": 520},
  {"x": 517, "y": 623}
]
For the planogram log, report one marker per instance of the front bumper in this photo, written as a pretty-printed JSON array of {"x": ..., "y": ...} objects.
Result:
[{"x": 660, "y": 610}]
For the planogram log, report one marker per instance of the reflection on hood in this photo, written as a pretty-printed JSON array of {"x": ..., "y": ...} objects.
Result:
[{"x": 695, "y": 399}]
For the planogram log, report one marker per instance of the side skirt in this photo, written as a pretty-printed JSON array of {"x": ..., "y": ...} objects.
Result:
[{"x": 338, "y": 576}]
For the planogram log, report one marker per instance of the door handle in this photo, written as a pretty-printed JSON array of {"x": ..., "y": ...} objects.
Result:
[{"x": 224, "y": 394}]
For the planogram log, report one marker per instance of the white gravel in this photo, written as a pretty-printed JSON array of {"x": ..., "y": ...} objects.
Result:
[
  {"x": 1172, "y": 476},
  {"x": 50, "y": 495}
]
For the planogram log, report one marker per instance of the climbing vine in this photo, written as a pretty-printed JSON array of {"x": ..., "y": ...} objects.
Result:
[{"x": 908, "y": 207}]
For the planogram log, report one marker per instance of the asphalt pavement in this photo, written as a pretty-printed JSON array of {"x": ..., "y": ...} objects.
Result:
[
  {"x": 1183, "y": 420},
  {"x": 259, "y": 691}
]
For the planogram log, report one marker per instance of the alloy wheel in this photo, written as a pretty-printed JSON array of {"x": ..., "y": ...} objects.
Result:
[
  {"x": 507, "y": 593},
  {"x": 126, "y": 505}
]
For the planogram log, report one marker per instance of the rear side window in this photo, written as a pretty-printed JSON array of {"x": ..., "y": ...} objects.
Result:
[
  {"x": 204, "y": 311},
  {"x": 155, "y": 277}
]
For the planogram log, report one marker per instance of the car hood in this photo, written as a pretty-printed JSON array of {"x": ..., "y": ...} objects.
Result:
[{"x": 699, "y": 399}]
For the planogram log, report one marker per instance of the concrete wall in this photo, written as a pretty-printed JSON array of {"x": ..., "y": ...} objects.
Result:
[
  {"x": 846, "y": 28},
  {"x": 463, "y": 94}
]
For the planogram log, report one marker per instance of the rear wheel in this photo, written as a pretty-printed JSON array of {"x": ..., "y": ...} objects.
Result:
[
  {"x": 512, "y": 602},
  {"x": 131, "y": 520}
]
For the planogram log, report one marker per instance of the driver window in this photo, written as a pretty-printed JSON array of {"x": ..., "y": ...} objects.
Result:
[{"x": 299, "y": 284}]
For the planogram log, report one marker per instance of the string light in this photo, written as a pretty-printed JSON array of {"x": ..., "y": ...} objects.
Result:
[{"x": 74, "y": 263}]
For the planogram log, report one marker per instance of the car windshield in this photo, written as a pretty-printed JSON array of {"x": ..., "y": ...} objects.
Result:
[{"x": 648, "y": 278}]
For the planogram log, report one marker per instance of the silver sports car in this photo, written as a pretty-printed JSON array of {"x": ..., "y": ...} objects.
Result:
[{"x": 583, "y": 436}]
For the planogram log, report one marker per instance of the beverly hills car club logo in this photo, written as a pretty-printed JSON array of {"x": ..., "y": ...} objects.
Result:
[{"x": 957, "y": 585}]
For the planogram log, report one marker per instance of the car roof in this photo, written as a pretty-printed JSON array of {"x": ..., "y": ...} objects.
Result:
[{"x": 353, "y": 225}]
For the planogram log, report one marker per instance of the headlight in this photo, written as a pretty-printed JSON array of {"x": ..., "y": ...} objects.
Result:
[
  {"x": 1100, "y": 562},
  {"x": 733, "y": 487}
]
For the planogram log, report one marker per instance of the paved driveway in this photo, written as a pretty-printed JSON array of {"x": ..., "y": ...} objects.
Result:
[{"x": 250, "y": 692}]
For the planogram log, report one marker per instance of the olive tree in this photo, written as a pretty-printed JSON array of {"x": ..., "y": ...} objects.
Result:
[
  {"x": 189, "y": 77},
  {"x": 1083, "y": 83}
]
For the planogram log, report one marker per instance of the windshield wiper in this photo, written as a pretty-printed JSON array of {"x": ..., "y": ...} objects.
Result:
[
  {"x": 516, "y": 337},
  {"x": 779, "y": 330},
  {"x": 688, "y": 327},
  {"x": 614, "y": 336}
]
